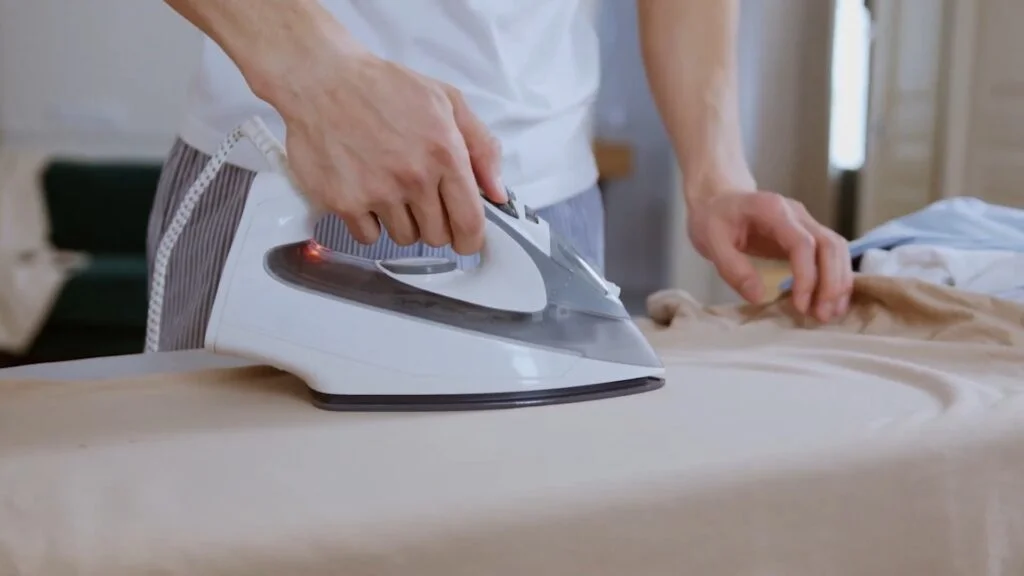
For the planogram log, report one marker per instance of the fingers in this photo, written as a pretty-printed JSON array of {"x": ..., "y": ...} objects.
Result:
[
  {"x": 436, "y": 201},
  {"x": 834, "y": 269},
  {"x": 465, "y": 212},
  {"x": 733, "y": 266},
  {"x": 769, "y": 225},
  {"x": 796, "y": 241},
  {"x": 484, "y": 150},
  {"x": 364, "y": 226},
  {"x": 399, "y": 222},
  {"x": 835, "y": 283},
  {"x": 422, "y": 182},
  {"x": 432, "y": 221},
  {"x": 459, "y": 192}
]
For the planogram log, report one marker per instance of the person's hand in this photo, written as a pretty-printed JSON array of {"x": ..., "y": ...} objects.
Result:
[
  {"x": 730, "y": 227},
  {"x": 368, "y": 139}
]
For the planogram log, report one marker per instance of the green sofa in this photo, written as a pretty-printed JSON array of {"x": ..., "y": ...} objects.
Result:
[{"x": 100, "y": 209}]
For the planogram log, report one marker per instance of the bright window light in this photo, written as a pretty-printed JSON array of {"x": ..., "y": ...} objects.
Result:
[{"x": 850, "y": 78}]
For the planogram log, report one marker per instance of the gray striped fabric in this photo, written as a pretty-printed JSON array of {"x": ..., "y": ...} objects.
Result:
[{"x": 195, "y": 266}]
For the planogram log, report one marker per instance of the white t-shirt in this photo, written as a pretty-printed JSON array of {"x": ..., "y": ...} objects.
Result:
[{"x": 529, "y": 69}]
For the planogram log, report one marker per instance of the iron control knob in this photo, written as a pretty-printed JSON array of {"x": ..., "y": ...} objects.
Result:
[
  {"x": 508, "y": 207},
  {"x": 530, "y": 214}
]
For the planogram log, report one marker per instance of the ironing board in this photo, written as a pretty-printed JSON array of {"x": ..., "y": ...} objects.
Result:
[{"x": 768, "y": 452}]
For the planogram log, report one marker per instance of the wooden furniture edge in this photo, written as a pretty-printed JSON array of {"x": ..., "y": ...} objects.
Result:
[{"x": 614, "y": 159}]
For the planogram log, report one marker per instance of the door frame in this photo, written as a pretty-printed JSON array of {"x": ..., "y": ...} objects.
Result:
[
  {"x": 955, "y": 121},
  {"x": 879, "y": 63},
  {"x": 949, "y": 147}
]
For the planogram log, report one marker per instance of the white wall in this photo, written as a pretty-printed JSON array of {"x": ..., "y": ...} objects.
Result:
[
  {"x": 93, "y": 77},
  {"x": 73, "y": 71}
]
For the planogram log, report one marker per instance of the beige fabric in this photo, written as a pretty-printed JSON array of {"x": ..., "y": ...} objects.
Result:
[
  {"x": 31, "y": 271},
  {"x": 881, "y": 306},
  {"x": 890, "y": 444}
]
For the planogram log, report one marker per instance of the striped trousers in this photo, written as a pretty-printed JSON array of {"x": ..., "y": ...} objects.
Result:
[{"x": 195, "y": 266}]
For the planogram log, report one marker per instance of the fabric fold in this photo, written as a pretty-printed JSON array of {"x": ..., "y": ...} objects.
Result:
[
  {"x": 880, "y": 306},
  {"x": 889, "y": 443}
]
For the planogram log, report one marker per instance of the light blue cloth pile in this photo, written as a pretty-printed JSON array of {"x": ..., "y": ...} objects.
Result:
[{"x": 963, "y": 222}]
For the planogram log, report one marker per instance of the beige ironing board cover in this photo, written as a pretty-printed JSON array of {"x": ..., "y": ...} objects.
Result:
[{"x": 232, "y": 472}]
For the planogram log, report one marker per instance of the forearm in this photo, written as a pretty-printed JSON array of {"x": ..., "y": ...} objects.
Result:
[
  {"x": 689, "y": 50},
  {"x": 267, "y": 38}
]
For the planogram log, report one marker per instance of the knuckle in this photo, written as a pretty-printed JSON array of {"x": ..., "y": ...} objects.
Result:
[
  {"x": 453, "y": 94},
  {"x": 840, "y": 243},
  {"x": 411, "y": 177},
  {"x": 469, "y": 224},
  {"x": 771, "y": 203},
  {"x": 829, "y": 240},
  {"x": 799, "y": 240},
  {"x": 830, "y": 295},
  {"x": 806, "y": 240},
  {"x": 442, "y": 96},
  {"x": 378, "y": 199},
  {"x": 831, "y": 288},
  {"x": 441, "y": 153},
  {"x": 489, "y": 152}
]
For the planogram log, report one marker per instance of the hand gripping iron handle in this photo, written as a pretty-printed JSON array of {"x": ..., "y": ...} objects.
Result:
[{"x": 506, "y": 277}]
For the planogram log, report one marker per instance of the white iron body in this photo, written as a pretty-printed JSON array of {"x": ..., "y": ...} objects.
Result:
[{"x": 343, "y": 348}]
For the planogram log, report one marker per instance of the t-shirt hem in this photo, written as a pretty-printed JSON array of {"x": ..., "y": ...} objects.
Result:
[{"x": 536, "y": 193}]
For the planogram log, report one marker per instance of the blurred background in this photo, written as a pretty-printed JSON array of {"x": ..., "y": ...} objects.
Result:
[{"x": 864, "y": 110}]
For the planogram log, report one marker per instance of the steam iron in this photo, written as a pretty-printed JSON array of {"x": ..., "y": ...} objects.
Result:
[{"x": 533, "y": 324}]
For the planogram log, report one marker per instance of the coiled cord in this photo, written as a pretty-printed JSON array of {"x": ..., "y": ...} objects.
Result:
[{"x": 256, "y": 131}]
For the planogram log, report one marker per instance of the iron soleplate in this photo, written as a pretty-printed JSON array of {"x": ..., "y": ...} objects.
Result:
[{"x": 497, "y": 401}]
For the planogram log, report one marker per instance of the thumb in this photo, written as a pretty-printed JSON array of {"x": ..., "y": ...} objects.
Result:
[
  {"x": 484, "y": 150},
  {"x": 734, "y": 266}
]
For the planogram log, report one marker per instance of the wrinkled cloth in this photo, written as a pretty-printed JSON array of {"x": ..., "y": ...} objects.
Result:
[
  {"x": 907, "y": 308},
  {"x": 891, "y": 443},
  {"x": 997, "y": 273},
  {"x": 32, "y": 272}
]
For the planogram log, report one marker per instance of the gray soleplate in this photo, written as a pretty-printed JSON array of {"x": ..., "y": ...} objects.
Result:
[{"x": 497, "y": 401}]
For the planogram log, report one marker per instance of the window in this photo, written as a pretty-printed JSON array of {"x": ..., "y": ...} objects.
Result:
[{"x": 851, "y": 51}]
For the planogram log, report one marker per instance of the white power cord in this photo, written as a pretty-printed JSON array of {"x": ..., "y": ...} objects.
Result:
[{"x": 257, "y": 132}]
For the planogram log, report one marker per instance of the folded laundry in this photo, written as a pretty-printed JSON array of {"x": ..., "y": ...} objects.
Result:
[
  {"x": 997, "y": 273},
  {"x": 963, "y": 223}
]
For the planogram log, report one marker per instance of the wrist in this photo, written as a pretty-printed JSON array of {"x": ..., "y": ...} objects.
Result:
[
  {"x": 308, "y": 46},
  {"x": 703, "y": 186}
]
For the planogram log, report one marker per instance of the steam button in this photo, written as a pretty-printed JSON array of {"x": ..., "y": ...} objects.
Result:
[
  {"x": 530, "y": 214},
  {"x": 508, "y": 207},
  {"x": 419, "y": 265}
]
